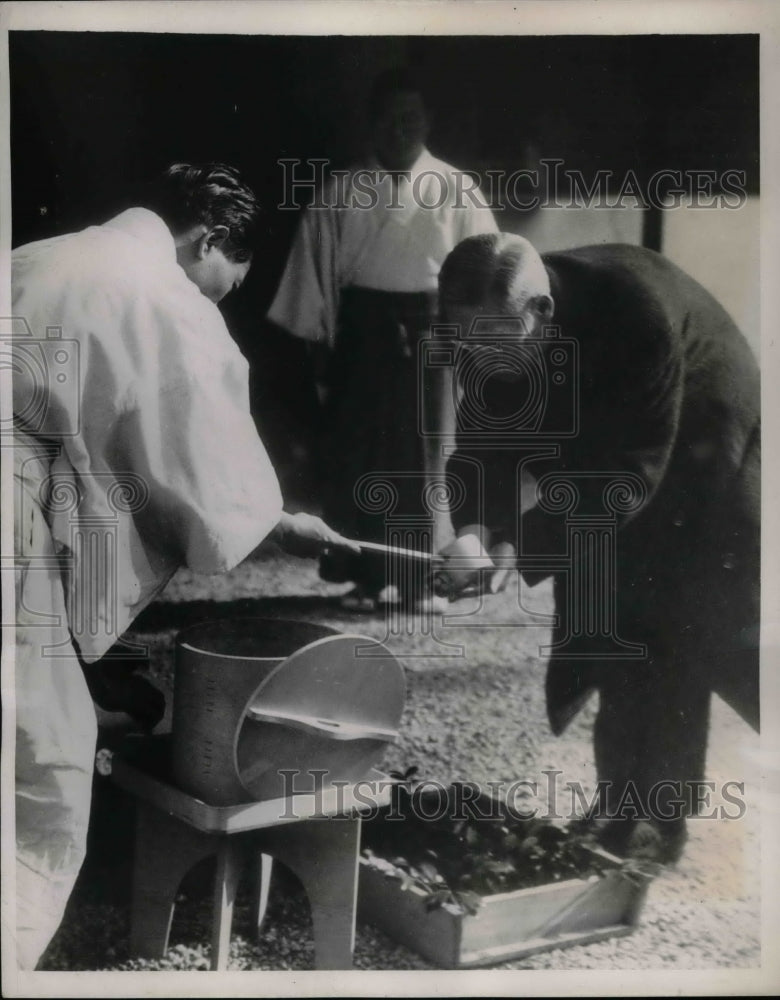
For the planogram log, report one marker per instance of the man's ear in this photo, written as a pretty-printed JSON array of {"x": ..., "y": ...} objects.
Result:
[
  {"x": 212, "y": 239},
  {"x": 545, "y": 307}
]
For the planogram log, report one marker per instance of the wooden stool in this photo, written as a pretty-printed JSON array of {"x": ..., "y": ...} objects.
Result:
[{"x": 316, "y": 835}]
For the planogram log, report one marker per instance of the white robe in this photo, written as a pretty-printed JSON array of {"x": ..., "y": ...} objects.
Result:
[
  {"x": 123, "y": 362},
  {"x": 370, "y": 234},
  {"x": 137, "y": 455}
]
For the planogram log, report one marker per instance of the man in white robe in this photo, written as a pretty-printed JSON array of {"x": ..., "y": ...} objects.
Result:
[
  {"x": 134, "y": 454},
  {"x": 361, "y": 279}
]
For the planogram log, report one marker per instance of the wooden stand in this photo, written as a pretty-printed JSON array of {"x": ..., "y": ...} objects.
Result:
[{"x": 316, "y": 835}]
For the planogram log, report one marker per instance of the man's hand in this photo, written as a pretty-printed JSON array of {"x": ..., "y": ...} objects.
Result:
[
  {"x": 306, "y": 535},
  {"x": 467, "y": 560}
]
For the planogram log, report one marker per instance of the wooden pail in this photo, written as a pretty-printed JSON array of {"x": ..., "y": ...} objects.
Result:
[{"x": 268, "y": 708}]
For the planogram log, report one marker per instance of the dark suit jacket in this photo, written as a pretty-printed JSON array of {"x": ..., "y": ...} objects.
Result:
[{"x": 669, "y": 391}]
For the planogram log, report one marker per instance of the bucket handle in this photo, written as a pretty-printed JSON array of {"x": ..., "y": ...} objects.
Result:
[{"x": 332, "y": 729}]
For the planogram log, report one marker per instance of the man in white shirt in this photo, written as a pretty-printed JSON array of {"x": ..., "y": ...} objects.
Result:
[
  {"x": 134, "y": 454},
  {"x": 361, "y": 279}
]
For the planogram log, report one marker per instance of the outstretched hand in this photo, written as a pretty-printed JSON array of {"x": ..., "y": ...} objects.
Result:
[
  {"x": 464, "y": 561},
  {"x": 307, "y": 535},
  {"x": 469, "y": 565}
]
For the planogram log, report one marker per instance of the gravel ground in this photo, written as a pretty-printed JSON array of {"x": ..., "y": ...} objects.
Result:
[{"x": 472, "y": 714}]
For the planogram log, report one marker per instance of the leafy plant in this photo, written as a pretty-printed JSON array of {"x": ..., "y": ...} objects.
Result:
[{"x": 461, "y": 856}]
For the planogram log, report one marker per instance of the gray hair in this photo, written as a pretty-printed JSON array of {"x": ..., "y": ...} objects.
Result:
[{"x": 497, "y": 269}]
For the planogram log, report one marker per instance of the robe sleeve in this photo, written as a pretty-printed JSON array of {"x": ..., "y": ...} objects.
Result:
[
  {"x": 187, "y": 431},
  {"x": 307, "y": 300}
]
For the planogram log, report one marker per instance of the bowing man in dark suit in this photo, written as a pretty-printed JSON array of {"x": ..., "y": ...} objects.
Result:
[{"x": 621, "y": 391}]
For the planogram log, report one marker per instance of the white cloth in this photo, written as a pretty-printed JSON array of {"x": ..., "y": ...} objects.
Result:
[
  {"x": 147, "y": 395},
  {"x": 56, "y": 727},
  {"x": 136, "y": 455},
  {"x": 375, "y": 233}
]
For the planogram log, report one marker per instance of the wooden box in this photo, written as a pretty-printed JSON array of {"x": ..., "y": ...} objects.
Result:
[{"x": 508, "y": 925}]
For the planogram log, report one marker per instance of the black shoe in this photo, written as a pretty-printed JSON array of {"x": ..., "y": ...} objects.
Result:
[{"x": 660, "y": 841}]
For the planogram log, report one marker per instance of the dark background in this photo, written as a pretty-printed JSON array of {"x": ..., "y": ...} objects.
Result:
[{"x": 95, "y": 114}]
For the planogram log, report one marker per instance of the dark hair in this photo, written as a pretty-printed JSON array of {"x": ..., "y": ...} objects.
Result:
[
  {"x": 501, "y": 268},
  {"x": 387, "y": 85},
  {"x": 210, "y": 194}
]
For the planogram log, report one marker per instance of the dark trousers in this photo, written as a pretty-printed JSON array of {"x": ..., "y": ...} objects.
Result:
[
  {"x": 651, "y": 731},
  {"x": 372, "y": 425}
]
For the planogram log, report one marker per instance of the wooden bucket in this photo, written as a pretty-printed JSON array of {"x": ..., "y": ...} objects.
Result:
[{"x": 267, "y": 708}]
